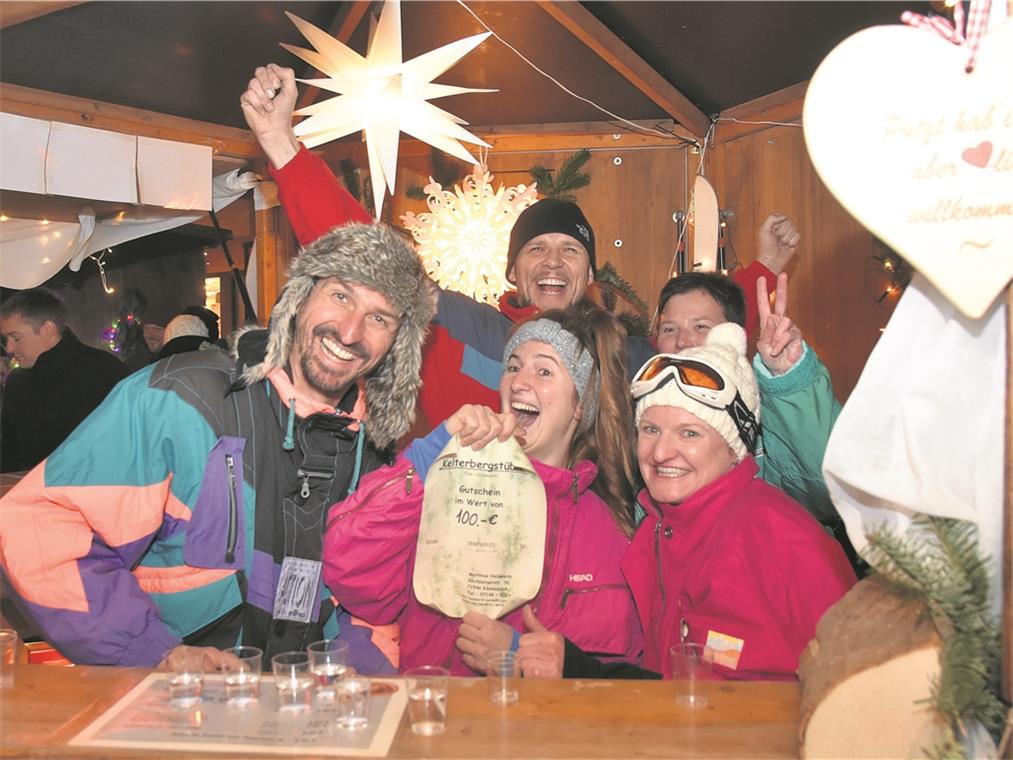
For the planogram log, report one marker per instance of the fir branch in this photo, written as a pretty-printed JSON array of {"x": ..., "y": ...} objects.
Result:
[
  {"x": 608, "y": 276},
  {"x": 939, "y": 562},
  {"x": 569, "y": 177},
  {"x": 543, "y": 178}
]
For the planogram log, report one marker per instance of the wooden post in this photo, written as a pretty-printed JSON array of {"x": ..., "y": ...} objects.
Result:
[{"x": 267, "y": 261}]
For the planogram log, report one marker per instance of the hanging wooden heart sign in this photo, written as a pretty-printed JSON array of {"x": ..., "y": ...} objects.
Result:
[{"x": 921, "y": 151}]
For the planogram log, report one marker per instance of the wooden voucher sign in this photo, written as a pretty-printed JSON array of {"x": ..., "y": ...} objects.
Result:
[
  {"x": 481, "y": 544},
  {"x": 921, "y": 151}
]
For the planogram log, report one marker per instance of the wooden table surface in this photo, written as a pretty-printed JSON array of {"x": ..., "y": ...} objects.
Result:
[{"x": 561, "y": 719}]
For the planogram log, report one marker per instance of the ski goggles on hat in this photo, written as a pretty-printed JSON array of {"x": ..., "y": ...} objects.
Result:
[{"x": 700, "y": 382}]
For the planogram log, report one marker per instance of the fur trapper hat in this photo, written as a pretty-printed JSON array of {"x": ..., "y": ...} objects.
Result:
[{"x": 377, "y": 257}]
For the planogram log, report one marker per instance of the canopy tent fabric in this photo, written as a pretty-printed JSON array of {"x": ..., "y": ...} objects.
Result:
[
  {"x": 32, "y": 251},
  {"x": 923, "y": 429}
]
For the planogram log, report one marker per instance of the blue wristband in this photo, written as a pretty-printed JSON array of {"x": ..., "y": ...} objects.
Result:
[{"x": 515, "y": 641}]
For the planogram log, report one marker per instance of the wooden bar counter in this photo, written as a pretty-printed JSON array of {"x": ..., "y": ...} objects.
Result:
[{"x": 49, "y": 705}]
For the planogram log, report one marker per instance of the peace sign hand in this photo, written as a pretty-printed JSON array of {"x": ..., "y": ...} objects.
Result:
[{"x": 780, "y": 342}]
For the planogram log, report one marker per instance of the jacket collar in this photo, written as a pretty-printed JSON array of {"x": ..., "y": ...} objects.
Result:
[
  {"x": 355, "y": 398},
  {"x": 59, "y": 355},
  {"x": 558, "y": 481},
  {"x": 510, "y": 307}
]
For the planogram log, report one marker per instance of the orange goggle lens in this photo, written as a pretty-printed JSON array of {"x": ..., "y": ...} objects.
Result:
[{"x": 690, "y": 372}]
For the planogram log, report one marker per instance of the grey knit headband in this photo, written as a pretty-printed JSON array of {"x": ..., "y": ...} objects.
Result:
[{"x": 575, "y": 357}]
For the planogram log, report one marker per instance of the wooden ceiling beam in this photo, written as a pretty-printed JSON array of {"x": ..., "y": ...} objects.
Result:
[
  {"x": 582, "y": 24},
  {"x": 342, "y": 28},
  {"x": 530, "y": 138},
  {"x": 15, "y": 12},
  {"x": 784, "y": 106},
  {"x": 51, "y": 106}
]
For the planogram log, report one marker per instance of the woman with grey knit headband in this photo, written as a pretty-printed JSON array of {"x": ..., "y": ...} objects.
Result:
[{"x": 564, "y": 395}]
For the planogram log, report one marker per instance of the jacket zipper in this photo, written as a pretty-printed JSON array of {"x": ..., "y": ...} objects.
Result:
[
  {"x": 568, "y": 591},
  {"x": 657, "y": 560},
  {"x": 306, "y": 475},
  {"x": 230, "y": 546},
  {"x": 550, "y": 551},
  {"x": 408, "y": 477}
]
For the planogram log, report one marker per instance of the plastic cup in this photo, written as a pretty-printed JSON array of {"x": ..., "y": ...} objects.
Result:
[
  {"x": 500, "y": 675},
  {"x": 8, "y": 656},
  {"x": 353, "y": 702},
  {"x": 293, "y": 681},
  {"x": 690, "y": 671},
  {"x": 186, "y": 676},
  {"x": 242, "y": 675},
  {"x": 328, "y": 664},
  {"x": 427, "y": 699}
]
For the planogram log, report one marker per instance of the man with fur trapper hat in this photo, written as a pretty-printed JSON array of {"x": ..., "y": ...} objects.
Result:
[{"x": 189, "y": 508}]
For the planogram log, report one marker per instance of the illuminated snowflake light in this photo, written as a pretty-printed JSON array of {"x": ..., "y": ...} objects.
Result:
[
  {"x": 463, "y": 238},
  {"x": 383, "y": 95}
]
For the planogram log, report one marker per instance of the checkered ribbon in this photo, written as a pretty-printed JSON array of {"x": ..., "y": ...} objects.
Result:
[{"x": 956, "y": 32}]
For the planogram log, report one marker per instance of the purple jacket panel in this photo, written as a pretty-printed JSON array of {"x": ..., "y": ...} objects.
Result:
[{"x": 215, "y": 534}]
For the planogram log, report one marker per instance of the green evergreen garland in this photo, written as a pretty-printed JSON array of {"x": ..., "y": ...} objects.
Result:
[
  {"x": 569, "y": 177},
  {"x": 611, "y": 286},
  {"x": 938, "y": 563}
]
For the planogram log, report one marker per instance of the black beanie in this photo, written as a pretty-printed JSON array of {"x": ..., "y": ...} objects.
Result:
[{"x": 550, "y": 215}]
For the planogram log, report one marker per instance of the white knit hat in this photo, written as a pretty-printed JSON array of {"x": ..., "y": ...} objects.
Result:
[{"x": 725, "y": 351}]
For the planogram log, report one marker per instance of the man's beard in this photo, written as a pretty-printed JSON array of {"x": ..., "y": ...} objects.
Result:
[{"x": 324, "y": 380}]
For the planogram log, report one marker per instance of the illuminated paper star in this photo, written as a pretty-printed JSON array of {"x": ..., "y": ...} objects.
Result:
[
  {"x": 382, "y": 95},
  {"x": 464, "y": 237}
]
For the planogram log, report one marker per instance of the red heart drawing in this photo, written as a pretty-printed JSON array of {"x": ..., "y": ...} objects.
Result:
[{"x": 978, "y": 156}]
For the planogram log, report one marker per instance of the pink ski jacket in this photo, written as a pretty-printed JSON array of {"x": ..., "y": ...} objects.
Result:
[
  {"x": 740, "y": 567},
  {"x": 369, "y": 558}
]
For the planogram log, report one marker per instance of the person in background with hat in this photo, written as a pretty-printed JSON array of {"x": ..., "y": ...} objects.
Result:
[
  {"x": 551, "y": 257},
  {"x": 723, "y": 559},
  {"x": 189, "y": 505}
]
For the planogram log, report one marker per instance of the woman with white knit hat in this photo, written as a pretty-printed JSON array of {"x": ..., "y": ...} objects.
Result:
[{"x": 722, "y": 559}]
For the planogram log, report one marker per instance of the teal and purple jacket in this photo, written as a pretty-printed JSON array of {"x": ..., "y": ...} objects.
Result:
[{"x": 152, "y": 524}]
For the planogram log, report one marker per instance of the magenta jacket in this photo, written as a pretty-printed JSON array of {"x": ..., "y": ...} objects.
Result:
[
  {"x": 369, "y": 557},
  {"x": 740, "y": 567}
]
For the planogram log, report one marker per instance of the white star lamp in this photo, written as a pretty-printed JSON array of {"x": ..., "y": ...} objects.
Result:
[{"x": 382, "y": 95}]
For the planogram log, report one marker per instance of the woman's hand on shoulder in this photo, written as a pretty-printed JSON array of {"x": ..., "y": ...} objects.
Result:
[{"x": 477, "y": 425}]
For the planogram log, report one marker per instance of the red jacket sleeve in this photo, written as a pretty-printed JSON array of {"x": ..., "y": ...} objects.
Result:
[
  {"x": 313, "y": 198},
  {"x": 746, "y": 279}
]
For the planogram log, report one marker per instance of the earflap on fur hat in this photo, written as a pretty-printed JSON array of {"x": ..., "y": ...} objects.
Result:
[
  {"x": 377, "y": 257},
  {"x": 733, "y": 410}
]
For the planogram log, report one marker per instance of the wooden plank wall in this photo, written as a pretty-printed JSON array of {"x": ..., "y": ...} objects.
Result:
[
  {"x": 631, "y": 198},
  {"x": 834, "y": 281}
]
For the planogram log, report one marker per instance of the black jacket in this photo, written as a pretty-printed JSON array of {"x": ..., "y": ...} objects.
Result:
[{"x": 43, "y": 404}]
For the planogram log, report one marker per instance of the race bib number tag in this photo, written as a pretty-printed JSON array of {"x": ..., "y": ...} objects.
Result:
[
  {"x": 481, "y": 542},
  {"x": 297, "y": 596}
]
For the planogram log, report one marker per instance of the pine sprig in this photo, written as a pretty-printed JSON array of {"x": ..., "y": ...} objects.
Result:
[
  {"x": 568, "y": 178},
  {"x": 938, "y": 562},
  {"x": 611, "y": 286}
]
